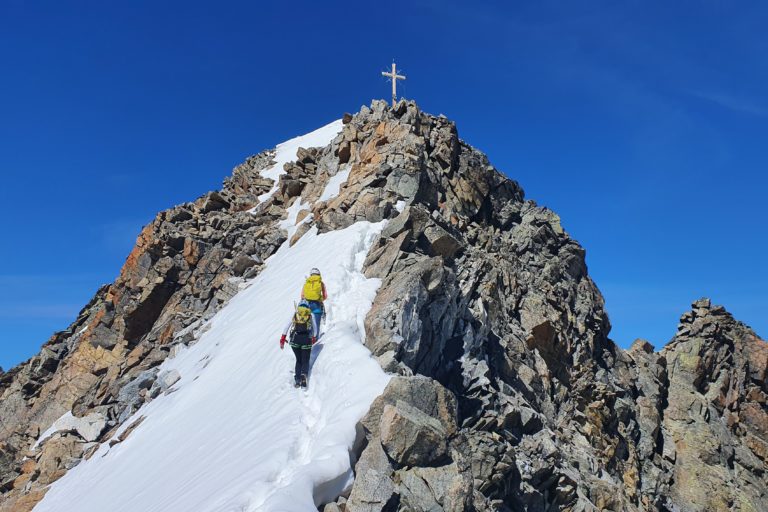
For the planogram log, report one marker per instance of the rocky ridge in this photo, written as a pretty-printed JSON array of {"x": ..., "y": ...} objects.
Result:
[{"x": 509, "y": 394}]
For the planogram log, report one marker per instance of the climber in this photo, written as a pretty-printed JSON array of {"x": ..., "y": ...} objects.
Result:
[
  {"x": 302, "y": 330},
  {"x": 314, "y": 293}
]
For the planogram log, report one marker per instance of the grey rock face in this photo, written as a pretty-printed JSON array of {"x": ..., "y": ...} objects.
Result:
[
  {"x": 418, "y": 392},
  {"x": 410, "y": 437},
  {"x": 487, "y": 294},
  {"x": 163, "y": 383},
  {"x": 134, "y": 393},
  {"x": 435, "y": 488},
  {"x": 410, "y": 433},
  {"x": 374, "y": 488}
]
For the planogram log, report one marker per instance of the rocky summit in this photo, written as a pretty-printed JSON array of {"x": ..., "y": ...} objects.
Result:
[{"x": 506, "y": 392}]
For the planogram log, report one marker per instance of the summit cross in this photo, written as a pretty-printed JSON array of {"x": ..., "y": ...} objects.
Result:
[{"x": 394, "y": 77}]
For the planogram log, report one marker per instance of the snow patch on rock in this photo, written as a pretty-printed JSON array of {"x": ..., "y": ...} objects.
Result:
[
  {"x": 333, "y": 186},
  {"x": 88, "y": 427},
  {"x": 286, "y": 152}
]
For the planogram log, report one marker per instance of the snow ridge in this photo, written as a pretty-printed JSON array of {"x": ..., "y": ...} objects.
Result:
[{"x": 235, "y": 435}]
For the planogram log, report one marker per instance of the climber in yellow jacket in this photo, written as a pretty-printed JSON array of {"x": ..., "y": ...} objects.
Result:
[{"x": 314, "y": 293}]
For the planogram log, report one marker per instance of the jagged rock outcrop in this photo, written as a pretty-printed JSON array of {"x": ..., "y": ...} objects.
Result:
[
  {"x": 715, "y": 427},
  {"x": 485, "y": 293},
  {"x": 509, "y": 394},
  {"x": 413, "y": 458}
]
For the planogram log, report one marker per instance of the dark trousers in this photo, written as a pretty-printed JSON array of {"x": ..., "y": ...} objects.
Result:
[
  {"x": 302, "y": 349},
  {"x": 302, "y": 361}
]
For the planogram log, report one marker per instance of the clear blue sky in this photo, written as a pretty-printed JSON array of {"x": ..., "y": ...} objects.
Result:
[{"x": 643, "y": 124}]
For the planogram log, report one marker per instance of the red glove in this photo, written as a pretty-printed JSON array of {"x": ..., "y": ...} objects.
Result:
[
  {"x": 282, "y": 341},
  {"x": 314, "y": 340}
]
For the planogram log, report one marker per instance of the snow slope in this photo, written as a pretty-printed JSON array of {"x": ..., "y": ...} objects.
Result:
[{"x": 235, "y": 435}]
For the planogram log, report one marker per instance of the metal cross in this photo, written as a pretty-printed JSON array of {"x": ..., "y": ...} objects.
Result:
[{"x": 394, "y": 77}]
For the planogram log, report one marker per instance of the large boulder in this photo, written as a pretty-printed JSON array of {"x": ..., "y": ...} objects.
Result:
[
  {"x": 413, "y": 395},
  {"x": 411, "y": 437},
  {"x": 439, "y": 488},
  {"x": 213, "y": 201},
  {"x": 408, "y": 438},
  {"x": 374, "y": 489}
]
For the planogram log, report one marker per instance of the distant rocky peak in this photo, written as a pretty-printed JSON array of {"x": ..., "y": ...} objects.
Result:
[{"x": 709, "y": 332}]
